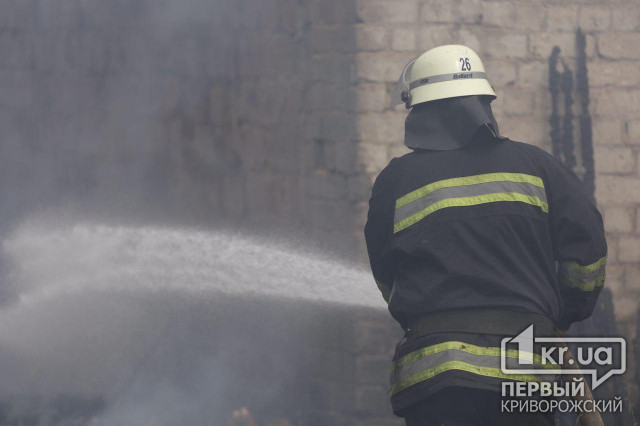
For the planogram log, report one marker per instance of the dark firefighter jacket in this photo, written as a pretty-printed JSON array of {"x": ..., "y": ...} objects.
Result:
[{"x": 492, "y": 226}]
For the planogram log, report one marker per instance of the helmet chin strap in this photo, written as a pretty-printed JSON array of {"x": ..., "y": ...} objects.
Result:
[{"x": 406, "y": 98}]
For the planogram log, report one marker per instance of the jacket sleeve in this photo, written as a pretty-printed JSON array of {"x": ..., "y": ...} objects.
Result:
[
  {"x": 579, "y": 244},
  {"x": 378, "y": 232}
]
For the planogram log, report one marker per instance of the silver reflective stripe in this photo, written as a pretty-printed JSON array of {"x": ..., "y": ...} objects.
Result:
[
  {"x": 416, "y": 206},
  {"x": 446, "y": 77}
]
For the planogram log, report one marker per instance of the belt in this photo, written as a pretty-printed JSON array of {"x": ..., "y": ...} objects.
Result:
[{"x": 481, "y": 321}]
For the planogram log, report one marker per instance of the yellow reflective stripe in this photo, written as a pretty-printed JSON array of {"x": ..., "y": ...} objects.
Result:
[
  {"x": 585, "y": 278},
  {"x": 384, "y": 289},
  {"x": 472, "y": 349},
  {"x": 463, "y": 366},
  {"x": 467, "y": 180},
  {"x": 587, "y": 268},
  {"x": 584, "y": 286},
  {"x": 470, "y": 201}
]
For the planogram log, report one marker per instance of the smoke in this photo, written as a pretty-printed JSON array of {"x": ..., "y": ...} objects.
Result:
[
  {"x": 178, "y": 325},
  {"x": 116, "y": 116},
  {"x": 109, "y": 104}
]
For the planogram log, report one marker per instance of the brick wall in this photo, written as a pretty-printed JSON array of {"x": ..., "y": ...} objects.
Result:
[
  {"x": 290, "y": 114},
  {"x": 196, "y": 111},
  {"x": 515, "y": 40}
]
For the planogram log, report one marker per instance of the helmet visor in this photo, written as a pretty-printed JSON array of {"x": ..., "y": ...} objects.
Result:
[{"x": 402, "y": 85}]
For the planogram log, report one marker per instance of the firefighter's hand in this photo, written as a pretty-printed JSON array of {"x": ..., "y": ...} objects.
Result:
[{"x": 243, "y": 417}]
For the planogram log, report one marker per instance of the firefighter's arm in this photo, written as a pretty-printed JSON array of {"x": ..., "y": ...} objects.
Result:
[
  {"x": 378, "y": 232},
  {"x": 580, "y": 247}
]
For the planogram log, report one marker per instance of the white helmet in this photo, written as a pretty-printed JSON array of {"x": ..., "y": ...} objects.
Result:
[{"x": 442, "y": 72}]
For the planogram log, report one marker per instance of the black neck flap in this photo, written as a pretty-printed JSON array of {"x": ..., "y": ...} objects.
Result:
[{"x": 448, "y": 124}]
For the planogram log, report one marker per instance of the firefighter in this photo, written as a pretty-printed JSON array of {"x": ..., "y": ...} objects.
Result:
[{"x": 473, "y": 237}]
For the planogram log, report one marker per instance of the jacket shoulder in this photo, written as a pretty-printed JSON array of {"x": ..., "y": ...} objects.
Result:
[
  {"x": 392, "y": 168},
  {"x": 555, "y": 173},
  {"x": 539, "y": 156},
  {"x": 532, "y": 150}
]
